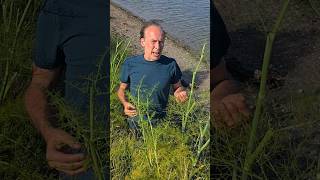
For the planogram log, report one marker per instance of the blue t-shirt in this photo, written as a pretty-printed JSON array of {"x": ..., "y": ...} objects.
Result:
[
  {"x": 76, "y": 8},
  {"x": 219, "y": 36},
  {"x": 154, "y": 79}
]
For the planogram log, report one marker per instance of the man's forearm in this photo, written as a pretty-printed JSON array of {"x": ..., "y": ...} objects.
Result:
[
  {"x": 37, "y": 108},
  {"x": 122, "y": 96}
]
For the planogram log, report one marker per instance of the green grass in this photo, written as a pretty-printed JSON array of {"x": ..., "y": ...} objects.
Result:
[
  {"x": 285, "y": 145},
  {"x": 290, "y": 153},
  {"x": 167, "y": 151},
  {"x": 277, "y": 144},
  {"x": 22, "y": 152},
  {"x": 22, "y": 149}
]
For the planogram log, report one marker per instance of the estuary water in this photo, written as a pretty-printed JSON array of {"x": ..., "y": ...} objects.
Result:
[{"x": 187, "y": 21}]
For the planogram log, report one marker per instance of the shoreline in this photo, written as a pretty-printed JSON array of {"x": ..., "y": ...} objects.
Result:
[
  {"x": 125, "y": 24},
  {"x": 168, "y": 35}
]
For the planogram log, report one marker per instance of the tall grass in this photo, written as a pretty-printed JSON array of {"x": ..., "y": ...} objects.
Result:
[
  {"x": 88, "y": 129},
  {"x": 14, "y": 27},
  {"x": 275, "y": 145},
  {"x": 191, "y": 100},
  {"x": 22, "y": 150},
  {"x": 163, "y": 151},
  {"x": 261, "y": 97}
]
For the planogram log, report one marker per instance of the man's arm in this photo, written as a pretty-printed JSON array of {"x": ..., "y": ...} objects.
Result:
[
  {"x": 227, "y": 104},
  {"x": 56, "y": 139},
  {"x": 179, "y": 92},
  {"x": 222, "y": 82},
  {"x": 122, "y": 93},
  {"x": 129, "y": 108},
  {"x": 36, "y": 98}
]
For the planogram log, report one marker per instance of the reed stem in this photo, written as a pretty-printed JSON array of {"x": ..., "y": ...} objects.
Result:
[{"x": 262, "y": 91}]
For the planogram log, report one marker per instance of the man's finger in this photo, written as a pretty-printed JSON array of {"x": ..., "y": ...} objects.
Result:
[
  {"x": 183, "y": 93},
  {"x": 66, "y": 166},
  {"x": 130, "y": 111},
  {"x": 226, "y": 115},
  {"x": 184, "y": 96},
  {"x": 68, "y": 141},
  {"x": 131, "y": 106},
  {"x": 131, "y": 114},
  {"x": 181, "y": 97},
  {"x": 233, "y": 111},
  {"x": 62, "y": 157},
  {"x": 72, "y": 172},
  {"x": 243, "y": 108},
  {"x": 245, "y": 111}
]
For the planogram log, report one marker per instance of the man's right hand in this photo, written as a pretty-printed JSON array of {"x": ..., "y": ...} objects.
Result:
[
  {"x": 228, "y": 106},
  {"x": 129, "y": 109},
  {"x": 229, "y": 110},
  {"x": 57, "y": 140}
]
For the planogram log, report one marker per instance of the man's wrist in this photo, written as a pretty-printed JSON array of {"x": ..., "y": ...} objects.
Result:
[
  {"x": 179, "y": 89},
  {"x": 45, "y": 131},
  {"x": 124, "y": 102},
  {"x": 224, "y": 88}
]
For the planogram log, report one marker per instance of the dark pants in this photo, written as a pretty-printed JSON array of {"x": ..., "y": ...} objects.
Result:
[{"x": 134, "y": 123}]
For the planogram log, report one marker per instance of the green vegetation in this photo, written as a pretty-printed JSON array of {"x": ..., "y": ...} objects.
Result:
[
  {"x": 277, "y": 143},
  {"x": 22, "y": 152},
  {"x": 285, "y": 140},
  {"x": 22, "y": 149},
  {"x": 249, "y": 159},
  {"x": 177, "y": 148}
]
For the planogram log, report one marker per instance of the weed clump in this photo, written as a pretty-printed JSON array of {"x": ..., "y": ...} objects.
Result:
[{"x": 162, "y": 151}]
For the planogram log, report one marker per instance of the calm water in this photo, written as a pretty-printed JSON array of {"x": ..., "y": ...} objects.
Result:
[{"x": 185, "y": 20}]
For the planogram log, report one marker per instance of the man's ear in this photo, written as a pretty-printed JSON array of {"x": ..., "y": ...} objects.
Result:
[{"x": 142, "y": 42}]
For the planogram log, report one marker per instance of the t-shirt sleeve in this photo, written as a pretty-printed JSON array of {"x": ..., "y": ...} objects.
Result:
[
  {"x": 176, "y": 73},
  {"x": 124, "y": 72},
  {"x": 46, "y": 53}
]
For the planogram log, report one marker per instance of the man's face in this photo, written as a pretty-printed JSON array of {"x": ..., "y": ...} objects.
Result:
[{"x": 152, "y": 43}]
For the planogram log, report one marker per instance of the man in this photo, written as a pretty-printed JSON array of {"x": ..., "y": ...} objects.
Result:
[
  {"x": 72, "y": 37},
  {"x": 150, "y": 73},
  {"x": 228, "y": 106}
]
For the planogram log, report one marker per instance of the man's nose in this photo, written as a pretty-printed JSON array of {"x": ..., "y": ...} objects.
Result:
[{"x": 157, "y": 45}]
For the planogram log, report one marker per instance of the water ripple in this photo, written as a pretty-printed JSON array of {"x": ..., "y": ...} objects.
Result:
[{"x": 185, "y": 20}]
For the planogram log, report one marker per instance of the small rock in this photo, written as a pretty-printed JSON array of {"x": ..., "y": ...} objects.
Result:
[
  {"x": 300, "y": 91},
  {"x": 257, "y": 74}
]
